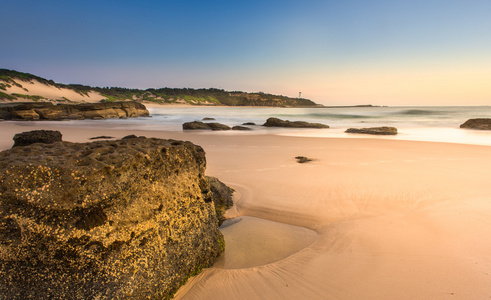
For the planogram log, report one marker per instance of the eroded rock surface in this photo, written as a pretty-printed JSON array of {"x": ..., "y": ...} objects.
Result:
[
  {"x": 48, "y": 111},
  {"x": 124, "y": 219}
]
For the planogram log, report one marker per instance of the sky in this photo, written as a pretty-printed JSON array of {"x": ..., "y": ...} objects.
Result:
[{"x": 381, "y": 52}]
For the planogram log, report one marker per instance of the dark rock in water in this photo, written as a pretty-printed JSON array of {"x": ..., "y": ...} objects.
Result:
[
  {"x": 101, "y": 137},
  {"x": 302, "y": 159},
  {"x": 123, "y": 219},
  {"x": 194, "y": 125},
  {"x": 222, "y": 197},
  {"x": 218, "y": 126},
  {"x": 480, "y": 123},
  {"x": 374, "y": 130},
  {"x": 37, "y": 136},
  {"x": 208, "y": 119},
  {"x": 200, "y": 125},
  {"x": 241, "y": 128},
  {"x": 249, "y": 123},
  {"x": 275, "y": 122},
  {"x": 48, "y": 111}
]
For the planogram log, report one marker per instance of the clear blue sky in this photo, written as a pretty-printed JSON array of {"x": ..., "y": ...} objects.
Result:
[{"x": 335, "y": 52}]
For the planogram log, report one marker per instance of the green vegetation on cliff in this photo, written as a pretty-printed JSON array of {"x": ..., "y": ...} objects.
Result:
[{"x": 210, "y": 96}]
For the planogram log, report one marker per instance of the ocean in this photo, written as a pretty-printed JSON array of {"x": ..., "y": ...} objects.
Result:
[{"x": 418, "y": 123}]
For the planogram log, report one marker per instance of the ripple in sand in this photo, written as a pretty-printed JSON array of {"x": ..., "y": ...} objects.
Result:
[{"x": 252, "y": 242}]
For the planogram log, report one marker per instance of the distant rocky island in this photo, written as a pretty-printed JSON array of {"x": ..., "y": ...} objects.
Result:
[{"x": 19, "y": 86}]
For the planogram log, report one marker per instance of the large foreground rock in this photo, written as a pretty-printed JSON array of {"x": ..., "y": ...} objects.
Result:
[
  {"x": 48, "y": 111},
  {"x": 481, "y": 124},
  {"x": 125, "y": 219},
  {"x": 384, "y": 130},
  {"x": 275, "y": 122}
]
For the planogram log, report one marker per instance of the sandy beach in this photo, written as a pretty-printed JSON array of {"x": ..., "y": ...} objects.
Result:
[{"x": 366, "y": 219}]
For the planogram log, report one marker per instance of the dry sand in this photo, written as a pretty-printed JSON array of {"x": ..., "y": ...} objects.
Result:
[
  {"x": 36, "y": 88},
  {"x": 393, "y": 219}
]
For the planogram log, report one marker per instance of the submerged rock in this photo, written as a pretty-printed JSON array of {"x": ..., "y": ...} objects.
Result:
[
  {"x": 480, "y": 123},
  {"x": 218, "y": 126},
  {"x": 36, "y": 136},
  {"x": 48, "y": 111},
  {"x": 374, "y": 130},
  {"x": 275, "y": 122},
  {"x": 123, "y": 219}
]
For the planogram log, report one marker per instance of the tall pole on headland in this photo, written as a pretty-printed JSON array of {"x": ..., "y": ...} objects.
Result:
[{"x": 299, "y": 94}]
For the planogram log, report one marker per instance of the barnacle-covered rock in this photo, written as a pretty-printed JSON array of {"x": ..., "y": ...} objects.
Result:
[{"x": 124, "y": 219}]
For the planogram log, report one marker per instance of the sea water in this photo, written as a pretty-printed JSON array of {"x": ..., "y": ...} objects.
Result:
[{"x": 422, "y": 123}]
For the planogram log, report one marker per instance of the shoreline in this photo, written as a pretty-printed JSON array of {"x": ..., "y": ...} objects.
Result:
[
  {"x": 446, "y": 135},
  {"x": 395, "y": 219}
]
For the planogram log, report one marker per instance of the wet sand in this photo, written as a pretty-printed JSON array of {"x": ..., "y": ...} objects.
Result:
[
  {"x": 393, "y": 219},
  {"x": 252, "y": 242}
]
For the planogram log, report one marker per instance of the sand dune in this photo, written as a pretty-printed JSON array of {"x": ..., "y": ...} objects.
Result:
[
  {"x": 50, "y": 92},
  {"x": 394, "y": 219}
]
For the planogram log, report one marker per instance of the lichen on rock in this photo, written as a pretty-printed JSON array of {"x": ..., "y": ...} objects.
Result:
[{"x": 124, "y": 219}]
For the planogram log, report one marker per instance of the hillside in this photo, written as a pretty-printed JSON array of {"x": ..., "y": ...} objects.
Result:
[{"x": 18, "y": 86}]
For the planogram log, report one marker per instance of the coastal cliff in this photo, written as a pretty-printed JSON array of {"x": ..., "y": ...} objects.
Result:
[
  {"x": 19, "y": 86},
  {"x": 124, "y": 219},
  {"x": 49, "y": 111}
]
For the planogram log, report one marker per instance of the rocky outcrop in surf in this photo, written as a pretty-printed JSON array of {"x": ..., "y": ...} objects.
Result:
[
  {"x": 124, "y": 219},
  {"x": 275, "y": 122},
  {"x": 480, "y": 123},
  {"x": 196, "y": 125},
  {"x": 384, "y": 130},
  {"x": 49, "y": 111}
]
